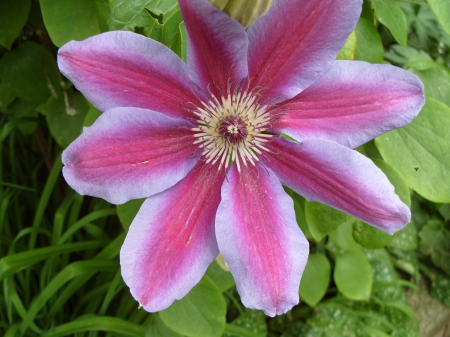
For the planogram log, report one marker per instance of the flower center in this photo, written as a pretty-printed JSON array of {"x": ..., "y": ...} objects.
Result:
[{"x": 232, "y": 129}]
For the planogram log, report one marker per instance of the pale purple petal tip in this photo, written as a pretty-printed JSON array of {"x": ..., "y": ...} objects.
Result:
[
  {"x": 129, "y": 153},
  {"x": 124, "y": 69},
  {"x": 352, "y": 103},
  {"x": 260, "y": 240},
  {"x": 171, "y": 242},
  {"x": 342, "y": 178}
]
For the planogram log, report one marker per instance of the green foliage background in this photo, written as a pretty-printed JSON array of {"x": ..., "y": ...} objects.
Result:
[{"x": 59, "y": 251}]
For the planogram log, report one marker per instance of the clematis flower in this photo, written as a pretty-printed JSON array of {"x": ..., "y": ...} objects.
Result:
[{"x": 201, "y": 141}]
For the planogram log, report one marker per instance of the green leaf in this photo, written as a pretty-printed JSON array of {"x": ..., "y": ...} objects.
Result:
[
  {"x": 315, "y": 279},
  {"x": 370, "y": 237},
  {"x": 13, "y": 16},
  {"x": 22, "y": 108},
  {"x": 390, "y": 14},
  {"x": 322, "y": 219},
  {"x": 200, "y": 313},
  {"x": 404, "y": 56},
  {"x": 441, "y": 8},
  {"x": 368, "y": 42},
  {"x": 353, "y": 275},
  {"x": 343, "y": 237},
  {"x": 30, "y": 72},
  {"x": 252, "y": 322},
  {"x": 406, "y": 238},
  {"x": 299, "y": 207},
  {"x": 128, "y": 211},
  {"x": 348, "y": 51},
  {"x": 65, "y": 116},
  {"x": 436, "y": 79},
  {"x": 401, "y": 188},
  {"x": 6, "y": 96},
  {"x": 70, "y": 20},
  {"x": 157, "y": 328},
  {"x": 13, "y": 263},
  {"x": 129, "y": 14},
  {"x": 98, "y": 323},
  {"x": 169, "y": 32},
  {"x": 435, "y": 241},
  {"x": 92, "y": 115},
  {"x": 440, "y": 288},
  {"x": 222, "y": 279},
  {"x": 419, "y": 151}
]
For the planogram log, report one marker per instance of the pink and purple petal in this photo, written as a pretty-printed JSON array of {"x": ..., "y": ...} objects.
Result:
[
  {"x": 217, "y": 47},
  {"x": 171, "y": 242},
  {"x": 324, "y": 171},
  {"x": 352, "y": 103},
  {"x": 129, "y": 153},
  {"x": 260, "y": 240},
  {"x": 123, "y": 69},
  {"x": 296, "y": 42}
]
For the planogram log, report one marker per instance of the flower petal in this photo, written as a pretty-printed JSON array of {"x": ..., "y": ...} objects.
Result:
[
  {"x": 296, "y": 42},
  {"x": 123, "y": 69},
  {"x": 324, "y": 171},
  {"x": 171, "y": 242},
  {"x": 217, "y": 47},
  {"x": 129, "y": 153},
  {"x": 352, "y": 103},
  {"x": 260, "y": 240}
]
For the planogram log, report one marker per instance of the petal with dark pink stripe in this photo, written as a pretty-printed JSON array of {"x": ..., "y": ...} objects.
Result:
[
  {"x": 260, "y": 240},
  {"x": 171, "y": 242},
  {"x": 217, "y": 47},
  {"x": 352, "y": 103},
  {"x": 129, "y": 153},
  {"x": 324, "y": 171},
  {"x": 296, "y": 42},
  {"x": 123, "y": 69}
]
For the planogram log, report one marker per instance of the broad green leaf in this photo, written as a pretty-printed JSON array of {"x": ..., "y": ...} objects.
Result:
[
  {"x": 222, "y": 279},
  {"x": 419, "y": 151},
  {"x": 368, "y": 43},
  {"x": 128, "y": 211},
  {"x": 200, "y": 313},
  {"x": 315, "y": 279},
  {"x": 299, "y": 207},
  {"x": 6, "y": 96},
  {"x": 401, "y": 188},
  {"x": 13, "y": 16},
  {"x": 436, "y": 79},
  {"x": 405, "y": 56},
  {"x": 348, "y": 51},
  {"x": 370, "y": 237},
  {"x": 129, "y": 14},
  {"x": 441, "y": 8},
  {"x": 30, "y": 72},
  {"x": 440, "y": 288},
  {"x": 65, "y": 116},
  {"x": 157, "y": 328},
  {"x": 342, "y": 236},
  {"x": 406, "y": 238},
  {"x": 367, "y": 12},
  {"x": 22, "y": 108},
  {"x": 92, "y": 115},
  {"x": 322, "y": 219},
  {"x": 253, "y": 322},
  {"x": 353, "y": 275},
  {"x": 70, "y": 20},
  {"x": 390, "y": 14},
  {"x": 114, "y": 325},
  {"x": 168, "y": 32},
  {"x": 435, "y": 241}
]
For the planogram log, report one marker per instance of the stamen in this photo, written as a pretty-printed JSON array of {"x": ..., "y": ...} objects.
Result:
[{"x": 230, "y": 129}]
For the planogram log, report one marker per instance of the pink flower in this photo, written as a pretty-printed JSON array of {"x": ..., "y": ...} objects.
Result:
[{"x": 201, "y": 142}]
